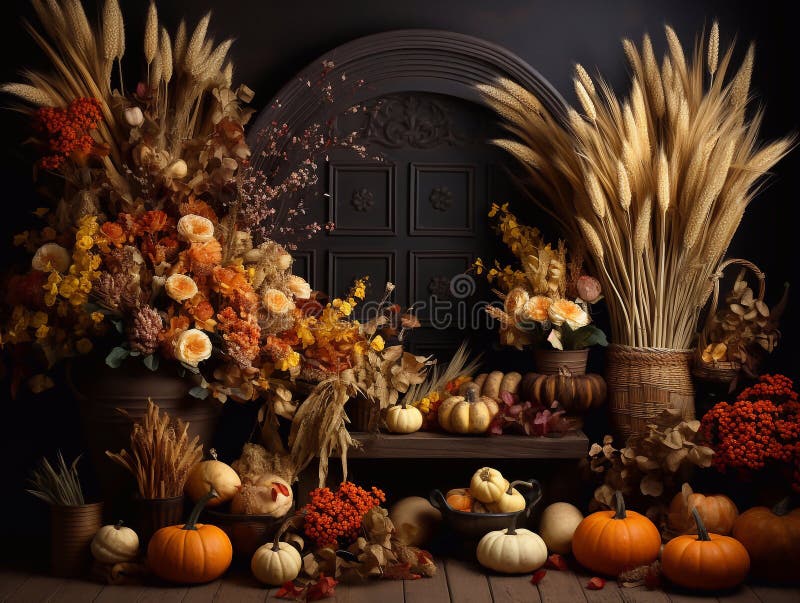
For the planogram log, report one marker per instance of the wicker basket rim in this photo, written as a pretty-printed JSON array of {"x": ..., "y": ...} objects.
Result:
[{"x": 647, "y": 350}]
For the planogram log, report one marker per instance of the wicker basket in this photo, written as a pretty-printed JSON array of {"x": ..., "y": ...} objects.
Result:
[
  {"x": 642, "y": 382},
  {"x": 727, "y": 372}
]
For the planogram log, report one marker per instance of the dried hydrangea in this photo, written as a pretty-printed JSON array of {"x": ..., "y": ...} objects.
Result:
[{"x": 144, "y": 330}]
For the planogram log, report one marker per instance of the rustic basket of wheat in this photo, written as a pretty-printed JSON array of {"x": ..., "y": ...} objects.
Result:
[
  {"x": 707, "y": 364},
  {"x": 654, "y": 185}
]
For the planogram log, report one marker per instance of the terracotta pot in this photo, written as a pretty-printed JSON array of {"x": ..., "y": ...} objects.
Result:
[
  {"x": 152, "y": 514},
  {"x": 72, "y": 530},
  {"x": 549, "y": 362},
  {"x": 103, "y": 393}
]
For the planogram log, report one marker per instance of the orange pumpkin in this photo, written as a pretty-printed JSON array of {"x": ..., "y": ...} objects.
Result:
[
  {"x": 191, "y": 553},
  {"x": 717, "y": 511},
  {"x": 772, "y": 537},
  {"x": 460, "y": 499},
  {"x": 706, "y": 561},
  {"x": 609, "y": 542},
  {"x": 576, "y": 393}
]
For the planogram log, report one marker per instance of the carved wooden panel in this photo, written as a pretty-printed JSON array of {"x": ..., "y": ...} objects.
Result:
[
  {"x": 442, "y": 200},
  {"x": 304, "y": 264},
  {"x": 361, "y": 199},
  {"x": 434, "y": 279},
  {"x": 345, "y": 267}
]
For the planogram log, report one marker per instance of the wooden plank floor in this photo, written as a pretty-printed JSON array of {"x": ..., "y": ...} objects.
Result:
[{"x": 457, "y": 582}]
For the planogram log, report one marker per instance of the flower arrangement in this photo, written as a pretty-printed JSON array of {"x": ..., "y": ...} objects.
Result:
[
  {"x": 159, "y": 243},
  {"x": 654, "y": 184},
  {"x": 538, "y": 296},
  {"x": 759, "y": 430}
]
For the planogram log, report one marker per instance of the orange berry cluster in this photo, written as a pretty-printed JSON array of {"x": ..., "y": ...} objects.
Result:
[
  {"x": 68, "y": 130},
  {"x": 761, "y": 428},
  {"x": 333, "y": 518}
]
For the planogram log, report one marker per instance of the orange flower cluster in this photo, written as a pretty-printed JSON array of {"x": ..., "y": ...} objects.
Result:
[
  {"x": 67, "y": 131},
  {"x": 242, "y": 337},
  {"x": 760, "y": 429},
  {"x": 333, "y": 519}
]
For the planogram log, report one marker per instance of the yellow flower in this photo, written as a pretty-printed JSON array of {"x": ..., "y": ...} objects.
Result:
[
  {"x": 377, "y": 343},
  {"x": 305, "y": 335},
  {"x": 85, "y": 243},
  {"x": 42, "y": 332},
  {"x": 290, "y": 361},
  {"x": 478, "y": 266},
  {"x": 97, "y": 317},
  {"x": 345, "y": 308},
  {"x": 38, "y": 319},
  {"x": 83, "y": 345}
]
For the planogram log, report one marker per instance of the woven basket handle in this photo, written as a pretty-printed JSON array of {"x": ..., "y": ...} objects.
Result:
[{"x": 716, "y": 278}]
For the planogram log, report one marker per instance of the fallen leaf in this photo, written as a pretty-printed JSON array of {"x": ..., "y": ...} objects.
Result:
[
  {"x": 537, "y": 576},
  {"x": 322, "y": 589},
  {"x": 400, "y": 571},
  {"x": 556, "y": 562},
  {"x": 595, "y": 583},
  {"x": 289, "y": 590}
]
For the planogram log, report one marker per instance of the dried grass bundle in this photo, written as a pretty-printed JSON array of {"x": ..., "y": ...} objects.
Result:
[
  {"x": 655, "y": 184},
  {"x": 83, "y": 55},
  {"x": 57, "y": 485},
  {"x": 319, "y": 427},
  {"x": 161, "y": 454}
]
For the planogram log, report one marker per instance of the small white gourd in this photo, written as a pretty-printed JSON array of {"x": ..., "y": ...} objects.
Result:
[{"x": 115, "y": 544}]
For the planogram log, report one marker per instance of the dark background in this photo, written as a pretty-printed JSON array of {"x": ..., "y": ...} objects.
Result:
[{"x": 276, "y": 39}]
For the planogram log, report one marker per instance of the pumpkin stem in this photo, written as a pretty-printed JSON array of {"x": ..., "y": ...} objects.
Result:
[
  {"x": 512, "y": 529},
  {"x": 290, "y": 522},
  {"x": 702, "y": 532},
  {"x": 118, "y": 525},
  {"x": 470, "y": 395},
  {"x": 213, "y": 453},
  {"x": 619, "y": 506},
  {"x": 198, "y": 508}
]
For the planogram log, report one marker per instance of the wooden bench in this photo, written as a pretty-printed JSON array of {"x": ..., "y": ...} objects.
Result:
[{"x": 564, "y": 451}]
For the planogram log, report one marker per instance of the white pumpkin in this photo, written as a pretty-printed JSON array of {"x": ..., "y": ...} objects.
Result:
[
  {"x": 267, "y": 495},
  {"x": 415, "y": 519},
  {"x": 115, "y": 544},
  {"x": 488, "y": 485},
  {"x": 276, "y": 563},
  {"x": 402, "y": 418},
  {"x": 510, "y": 501},
  {"x": 512, "y": 551},
  {"x": 212, "y": 474},
  {"x": 557, "y": 526}
]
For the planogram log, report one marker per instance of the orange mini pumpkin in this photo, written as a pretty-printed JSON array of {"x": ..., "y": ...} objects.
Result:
[
  {"x": 191, "y": 553},
  {"x": 460, "y": 499},
  {"x": 609, "y": 542},
  {"x": 706, "y": 561},
  {"x": 717, "y": 511},
  {"x": 772, "y": 538}
]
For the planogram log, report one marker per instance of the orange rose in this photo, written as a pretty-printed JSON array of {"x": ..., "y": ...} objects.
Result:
[
  {"x": 152, "y": 221},
  {"x": 564, "y": 311},
  {"x": 535, "y": 309},
  {"x": 202, "y": 257},
  {"x": 192, "y": 347},
  {"x": 196, "y": 229},
  {"x": 298, "y": 287},
  {"x": 180, "y": 287},
  {"x": 114, "y": 233},
  {"x": 276, "y": 302},
  {"x": 515, "y": 300}
]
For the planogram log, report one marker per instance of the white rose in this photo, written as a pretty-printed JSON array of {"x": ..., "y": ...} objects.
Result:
[
  {"x": 276, "y": 302},
  {"x": 176, "y": 170},
  {"x": 284, "y": 260},
  {"x": 196, "y": 229},
  {"x": 51, "y": 256},
  {"x": 564, "y": 311},
  {"x": 299, "y": 287},
  {"x": 192, "y": 347},
  {"x": 134, "y": 117},
  {"x": 181, "y": 287}
]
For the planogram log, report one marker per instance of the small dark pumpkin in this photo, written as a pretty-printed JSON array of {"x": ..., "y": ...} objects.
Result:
[{"x": 576, "y": 393}]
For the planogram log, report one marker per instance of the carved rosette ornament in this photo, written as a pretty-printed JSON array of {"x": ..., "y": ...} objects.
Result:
[
  {"x": 441, "y": 198},
  {"x": 362, "y": 200}
]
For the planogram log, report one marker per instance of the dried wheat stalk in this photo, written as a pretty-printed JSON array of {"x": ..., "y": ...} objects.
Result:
[
  {"x": 161, "y": 454},
  {"x": 654, "y": 184}
]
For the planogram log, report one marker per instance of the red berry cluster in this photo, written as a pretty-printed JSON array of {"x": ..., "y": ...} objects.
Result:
[
  {"x": 333, "y": 518},
  {"x": 67, "y": 131},
  {"x": 761, "y": 428}
]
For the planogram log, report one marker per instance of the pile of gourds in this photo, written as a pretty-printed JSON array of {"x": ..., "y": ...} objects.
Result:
[
  {"x": 488, "y": 492},
  {"x": 472, "y": 407}
]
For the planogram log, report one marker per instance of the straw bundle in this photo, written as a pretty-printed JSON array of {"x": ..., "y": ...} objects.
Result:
[{"x": 655, "y": 184}]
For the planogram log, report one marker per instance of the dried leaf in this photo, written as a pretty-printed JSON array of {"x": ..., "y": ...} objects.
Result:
[
  {"x": 538, "y": 575},
  {"x": 556, "y": 562},
  {"x": 289, "y": 590},
  {"x": 596, "y": 583},
  {"x": 651, "y": 485}
]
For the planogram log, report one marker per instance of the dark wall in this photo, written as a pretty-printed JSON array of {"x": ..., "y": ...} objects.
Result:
[{"x": 276, "y": 39}]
